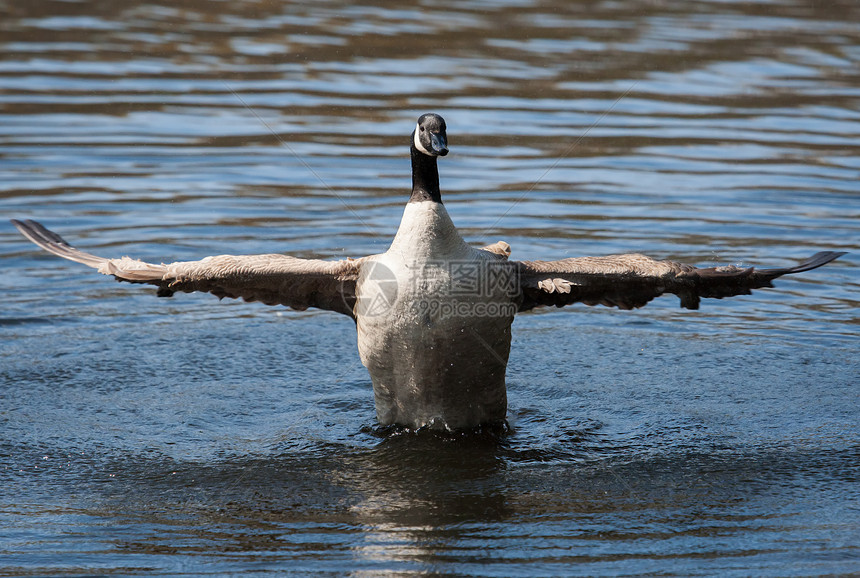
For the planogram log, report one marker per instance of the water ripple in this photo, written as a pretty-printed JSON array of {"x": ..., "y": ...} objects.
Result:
[{"x": 155, "y": 435}]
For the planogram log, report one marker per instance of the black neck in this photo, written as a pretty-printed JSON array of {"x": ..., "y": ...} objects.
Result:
[{"x": 425, "y": 178}]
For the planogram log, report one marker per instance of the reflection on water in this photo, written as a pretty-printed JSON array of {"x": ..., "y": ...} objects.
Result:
[
  {"x": 187, "y": 436},
  {"x": 435, "y": 505}
]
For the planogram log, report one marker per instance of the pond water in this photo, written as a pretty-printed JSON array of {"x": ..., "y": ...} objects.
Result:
[{"x": 188, "y": 437}]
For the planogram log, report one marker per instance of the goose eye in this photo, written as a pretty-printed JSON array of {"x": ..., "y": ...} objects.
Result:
[{"x": 421, "y": 128}]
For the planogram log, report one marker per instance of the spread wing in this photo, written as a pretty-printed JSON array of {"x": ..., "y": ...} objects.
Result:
[
  {"x": 270, "y": 279},
  {"x": 630, "y": 281}
]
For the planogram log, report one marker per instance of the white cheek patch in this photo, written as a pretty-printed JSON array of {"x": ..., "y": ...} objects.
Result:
[{"x": 418, "y": 144}]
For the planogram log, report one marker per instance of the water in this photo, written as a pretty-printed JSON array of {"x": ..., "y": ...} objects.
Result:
[{"x": 186, "y": 436}]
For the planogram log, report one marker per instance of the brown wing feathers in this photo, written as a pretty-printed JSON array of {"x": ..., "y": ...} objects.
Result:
[
  {"x": 630, "y": 281},
  {"x": 271, "y": 279}
]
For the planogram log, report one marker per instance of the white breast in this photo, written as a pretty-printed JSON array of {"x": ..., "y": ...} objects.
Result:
[{"x": 433, "y": 334}]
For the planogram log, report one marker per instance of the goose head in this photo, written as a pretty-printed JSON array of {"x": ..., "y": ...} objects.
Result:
[{"x": 430, "y": 137}]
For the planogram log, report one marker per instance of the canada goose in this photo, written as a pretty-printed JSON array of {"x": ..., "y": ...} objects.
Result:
[{"x": 433, "y": 314}]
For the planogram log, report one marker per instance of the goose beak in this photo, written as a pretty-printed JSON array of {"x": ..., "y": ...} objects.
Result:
[{"x": 439, "y": 143}]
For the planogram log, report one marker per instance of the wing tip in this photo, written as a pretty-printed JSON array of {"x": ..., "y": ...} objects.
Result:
[
  {"x": 819, "y": 259},
  {"x": 37, "y": 232},
  {"x": 814, "y": 262},
  {"x": 51, "y": 242}
]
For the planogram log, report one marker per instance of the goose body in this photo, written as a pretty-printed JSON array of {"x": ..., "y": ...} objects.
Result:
[
  {"x": 434, "y": 359},
  {"x": 433, "y": 314}
]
